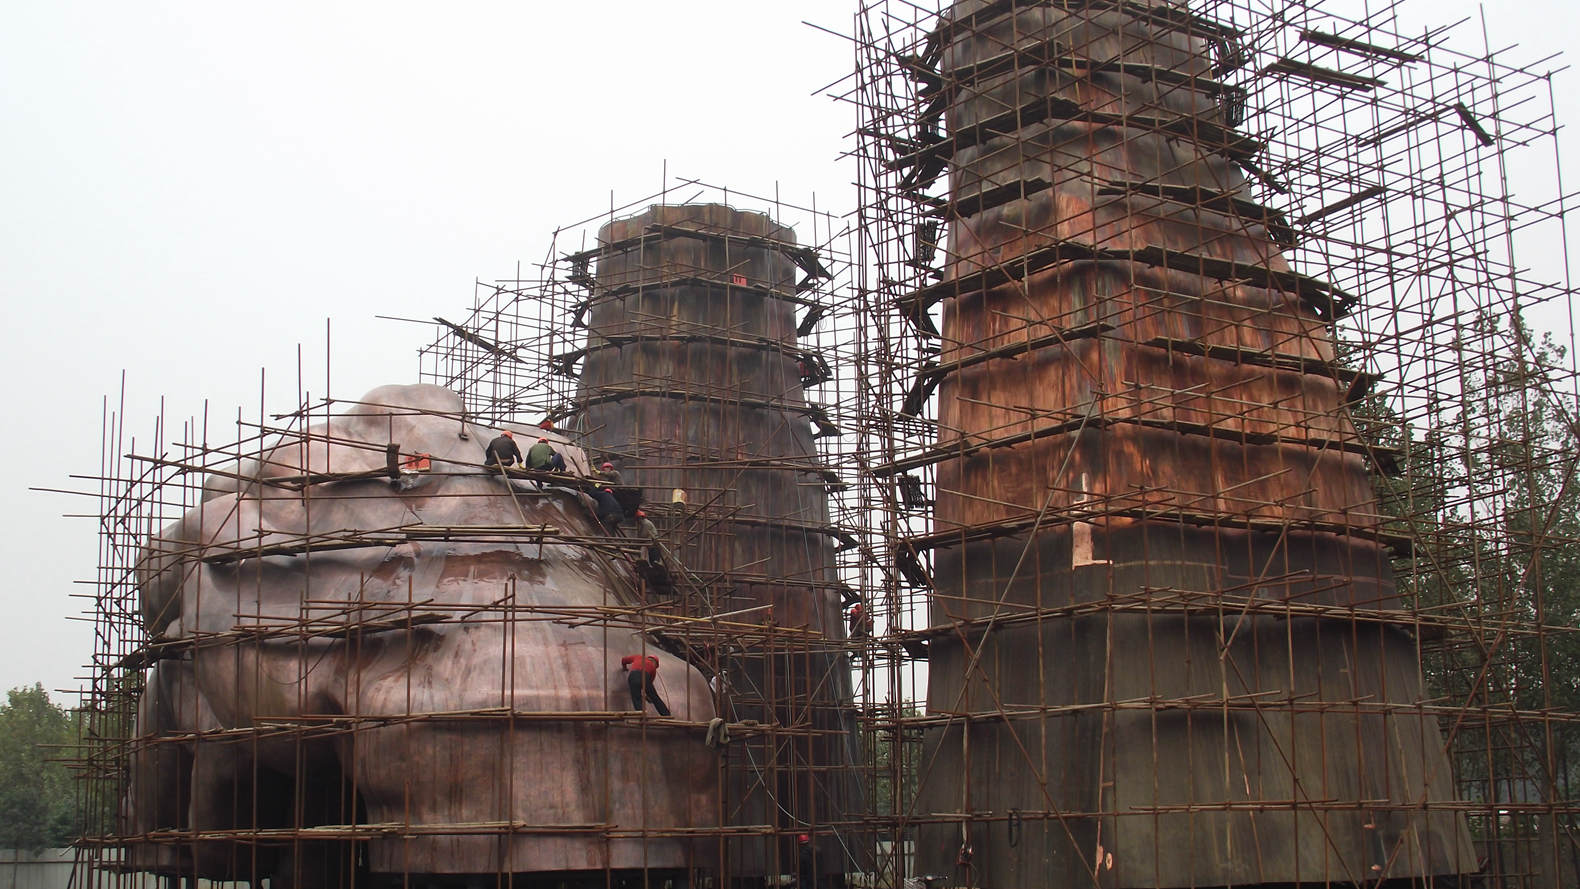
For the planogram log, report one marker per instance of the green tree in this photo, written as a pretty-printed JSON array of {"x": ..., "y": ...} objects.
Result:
[
  {"x": 37, "y": 804},
  {"x": 889, "y": 749},
  {"x": 1524, "y": 476},
  {"x": 1487, "y": 488}
]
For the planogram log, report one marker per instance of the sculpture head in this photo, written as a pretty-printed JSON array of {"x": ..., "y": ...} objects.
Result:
[{"x": 420, "y": 611}]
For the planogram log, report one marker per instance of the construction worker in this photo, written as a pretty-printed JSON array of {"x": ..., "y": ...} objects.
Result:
[
  {"x": 502, "y": 451},
  {"x": 647, "y": 531},
  {"x": 860, "y": 621},
  {"x": 640, "y": 681},
  {"x": 610, "y": 512},
  {"x": 608, "y": 474},
  {"x": 805, "y": 871},
  {"x": 542, "y": 457}
]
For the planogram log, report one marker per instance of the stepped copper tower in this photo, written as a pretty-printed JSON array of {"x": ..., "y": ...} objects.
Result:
[{"x": 1142, "y": 429}]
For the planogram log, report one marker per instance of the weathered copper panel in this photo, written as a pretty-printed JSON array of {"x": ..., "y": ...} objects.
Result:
[
  {"x": 419, "y": 686},
  {"x": 692, "y": 383},
  {"x": 1140, "y": 734},
  {"x": 712, "y": 386}
]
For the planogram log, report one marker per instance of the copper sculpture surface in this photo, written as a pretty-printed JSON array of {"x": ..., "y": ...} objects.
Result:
[{"x": 415, "y": 692}]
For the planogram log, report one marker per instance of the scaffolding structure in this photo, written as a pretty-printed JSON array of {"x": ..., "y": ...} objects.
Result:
[
  {"x": 1169, "y": 407},
  {"x": 1224, "y": 481},
  {"x": 258, "y": 598}
]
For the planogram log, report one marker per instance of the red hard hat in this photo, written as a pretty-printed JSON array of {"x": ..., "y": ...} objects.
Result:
[
  {"x": 640, "y": 514},
  {"x": 508, "y": 434},
  {"x": 543, "y": 439},
  {"x": 803, "y": 838},
  {"x": 607, "y": 466}
]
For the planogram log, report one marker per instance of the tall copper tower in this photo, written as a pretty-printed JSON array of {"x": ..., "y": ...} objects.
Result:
[{"x": 1151, "y": 507}]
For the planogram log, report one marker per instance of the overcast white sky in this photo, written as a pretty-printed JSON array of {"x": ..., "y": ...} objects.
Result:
[{"x": 189, "y": 189}]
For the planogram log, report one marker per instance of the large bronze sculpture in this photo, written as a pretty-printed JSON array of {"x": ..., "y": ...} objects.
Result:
[{"x": 417, "y": 674}]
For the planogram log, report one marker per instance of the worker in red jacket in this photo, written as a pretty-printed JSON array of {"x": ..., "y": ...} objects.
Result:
[
  {"x": 860, "y": 621},
  {"x": 641, "y": 671}
]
